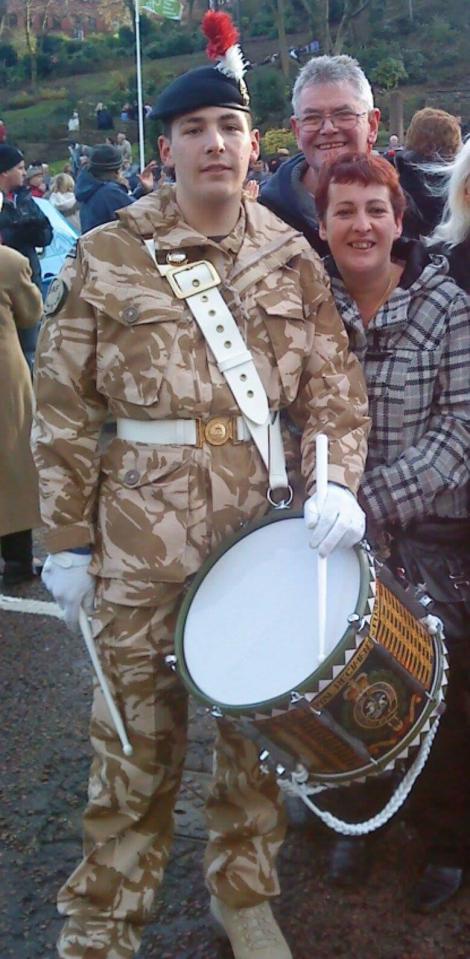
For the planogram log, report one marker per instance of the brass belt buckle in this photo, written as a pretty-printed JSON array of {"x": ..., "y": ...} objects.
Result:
[{"x": 216, "y": 431}]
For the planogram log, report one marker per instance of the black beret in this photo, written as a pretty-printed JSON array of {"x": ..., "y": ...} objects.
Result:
[
  {"x": 9, "y": 157},
  {"x": 105, "y": 158},
  {"x": 202, "y": 87}
]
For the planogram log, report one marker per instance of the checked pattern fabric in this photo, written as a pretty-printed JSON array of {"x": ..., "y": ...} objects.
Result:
[{"x": 416, "y": 357}]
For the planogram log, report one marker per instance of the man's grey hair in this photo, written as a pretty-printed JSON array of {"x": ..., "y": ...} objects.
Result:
[{"x": 335, "y": 70}]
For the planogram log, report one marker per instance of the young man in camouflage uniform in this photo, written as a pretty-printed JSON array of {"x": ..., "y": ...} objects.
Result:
[{"x": 151, "y": 508}]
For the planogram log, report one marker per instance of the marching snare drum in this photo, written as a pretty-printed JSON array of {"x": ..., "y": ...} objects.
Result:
[{"x": 246, "y": 647}]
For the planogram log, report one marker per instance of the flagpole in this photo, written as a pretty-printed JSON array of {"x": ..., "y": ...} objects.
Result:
[{"x": 140, "y": 101}]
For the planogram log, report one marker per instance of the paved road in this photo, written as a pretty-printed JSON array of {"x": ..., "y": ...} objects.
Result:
[{"x": 44, "y": 701}]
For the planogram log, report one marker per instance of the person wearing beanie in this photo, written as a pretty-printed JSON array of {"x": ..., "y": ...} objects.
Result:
[
  {"x": 23, "y": 226},
  {"x": 100, "y": 190},
  {"x": 130, "y": 335},
  {"x": 35, "y": 180}
]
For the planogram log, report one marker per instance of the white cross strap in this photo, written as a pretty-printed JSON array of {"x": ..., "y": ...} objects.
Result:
[{"x": 198, "y": 283}]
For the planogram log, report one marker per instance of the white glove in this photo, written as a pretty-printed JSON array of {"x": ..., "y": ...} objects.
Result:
[
  {"x": 340, "y": 522},
  {"x": 66, "y": 576}
]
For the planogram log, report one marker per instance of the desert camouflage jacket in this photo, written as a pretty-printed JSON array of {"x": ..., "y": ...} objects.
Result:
[{"x": 117, "y": 343}]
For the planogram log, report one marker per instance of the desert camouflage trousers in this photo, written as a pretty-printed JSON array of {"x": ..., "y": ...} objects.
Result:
[{"x": 128, "y": 822}]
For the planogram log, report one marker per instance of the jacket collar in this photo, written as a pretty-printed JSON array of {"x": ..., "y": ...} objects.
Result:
[{"x": 422, "y": 272}]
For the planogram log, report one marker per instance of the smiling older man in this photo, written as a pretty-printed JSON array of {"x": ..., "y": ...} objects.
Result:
[{"x": 334, "y": 113}]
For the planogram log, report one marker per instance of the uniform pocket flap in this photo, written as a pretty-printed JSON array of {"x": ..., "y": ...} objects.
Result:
[
  {"x": 132, "y": 305},
  {"x": 133, "y": 467},
  {"x": 281, "y": 307}
]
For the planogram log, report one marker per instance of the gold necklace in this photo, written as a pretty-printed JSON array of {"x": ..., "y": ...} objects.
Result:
[{"x": 382, "y": 299}]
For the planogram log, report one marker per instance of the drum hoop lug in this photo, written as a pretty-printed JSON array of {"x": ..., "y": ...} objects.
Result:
[
  {"x": 216, "y": 712},
  {"x": 295, "y": 697},
  {"x": 171, "y": 661},
  {"x": 359, "y": 622}
]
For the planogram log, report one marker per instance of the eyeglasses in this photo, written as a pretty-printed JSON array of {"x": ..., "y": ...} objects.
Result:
[{"x": 341, "y": 119}]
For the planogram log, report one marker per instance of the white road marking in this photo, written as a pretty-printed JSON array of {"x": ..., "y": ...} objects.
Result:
[{"x": 14, "y": 604}]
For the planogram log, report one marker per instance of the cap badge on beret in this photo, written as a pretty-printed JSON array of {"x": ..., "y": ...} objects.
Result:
[{"x": 223, "y": 47}]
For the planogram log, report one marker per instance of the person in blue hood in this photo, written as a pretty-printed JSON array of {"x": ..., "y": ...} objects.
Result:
[
  {"x": 333, "y": 114},
  {"x": 99, "y": 188}
]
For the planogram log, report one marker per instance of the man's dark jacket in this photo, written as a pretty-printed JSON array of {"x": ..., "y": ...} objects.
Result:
[
  {"x": 23, "y": 227},
  {"x": 285, "y": 195},
  {"x": 99, "y": 199}
]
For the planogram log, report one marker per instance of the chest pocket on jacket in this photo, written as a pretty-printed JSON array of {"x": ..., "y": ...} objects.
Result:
[
  {"x": 135, "y": 338},
  {"x": 285, "y": 323},
  {"x": 386, "y": 373},
  {"x": 401, "y": 384}
]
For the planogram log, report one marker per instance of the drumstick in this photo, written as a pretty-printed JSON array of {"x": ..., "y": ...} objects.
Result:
[
  {"x": 115, "y": 716},
  {"x": 321, "y": 447}
]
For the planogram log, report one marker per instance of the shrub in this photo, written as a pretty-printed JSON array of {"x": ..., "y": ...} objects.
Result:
[
  {"x": 23, "y": 99},
  {"x": 8, "y": 55},
  {"x": 269, "y": 95},
  {"x": 389, "y": 72},
  {"x": 277, "y": 139}
]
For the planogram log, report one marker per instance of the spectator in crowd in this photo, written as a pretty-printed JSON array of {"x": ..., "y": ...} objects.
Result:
[
  {"x": 130, "y": 171},
  {"x": 47, "y": 176},
  {"x": 409, "y": 324},
  {"x": 432, "y": 136},
  {"x": 258, "y": 171},
  {"x": 104, "y": 120},
  {"x": 62, "y": 196},
  {"x": 23, "y": 226},
  {"x": 452, "y": 235},
  {"x": 101, "y": 190},
  {"x": 79, "y": 154},
  {"x": 35, "y": 180},
  {"x": 20, "y": 307},
  {"x": 75, "y": 150},
  {"x": 334, "y": 113},
  {"x": 124, "y": 147},
  {"x": 73, "y": 123},
  {"x": 126, "y": 113},
  {"x": 3, "y": 132},
  {"x": 84, "y": 161},
  {"x": 393, "y": 146}
]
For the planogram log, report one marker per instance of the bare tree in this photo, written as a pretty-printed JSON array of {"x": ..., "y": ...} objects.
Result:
[
  {"x": 333, "y": 35},
  {"x": 351, "y": 10},
  {"x": 3, "y": 13},
  {"x": 32, "y": 10},
  {"x": 278, "y": 8}
]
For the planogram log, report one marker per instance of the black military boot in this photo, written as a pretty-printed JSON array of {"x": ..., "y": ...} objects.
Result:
[
  {"x": 436, "y": 886},
  {"x": 350, "y": 860}
]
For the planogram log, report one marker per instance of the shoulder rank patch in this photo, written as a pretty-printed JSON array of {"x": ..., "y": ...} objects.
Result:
[{"x": 56, "y": 297}]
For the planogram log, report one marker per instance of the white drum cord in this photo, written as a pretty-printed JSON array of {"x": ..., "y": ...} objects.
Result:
[{"x": 298, "y": 786}]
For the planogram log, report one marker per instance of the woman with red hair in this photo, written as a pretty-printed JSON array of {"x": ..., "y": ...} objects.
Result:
[{"x": 409, "y": 324}]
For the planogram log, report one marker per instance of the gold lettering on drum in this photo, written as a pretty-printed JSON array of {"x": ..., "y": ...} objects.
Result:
[{"x": 345, "y": 676}]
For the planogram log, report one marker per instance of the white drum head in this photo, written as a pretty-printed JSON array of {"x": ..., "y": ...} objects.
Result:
[{"x": 251, "y": 629}]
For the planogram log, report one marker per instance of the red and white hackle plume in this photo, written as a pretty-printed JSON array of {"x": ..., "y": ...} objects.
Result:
[{"x": 223, "y": 47}]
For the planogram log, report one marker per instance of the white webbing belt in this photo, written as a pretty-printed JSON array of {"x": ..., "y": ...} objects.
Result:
[
  {"x": 171, "y": 432},
  {"x": 197, "y": 284}
]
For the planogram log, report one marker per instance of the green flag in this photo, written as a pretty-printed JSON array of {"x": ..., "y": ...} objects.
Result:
[{"x": 168, "y": 9}]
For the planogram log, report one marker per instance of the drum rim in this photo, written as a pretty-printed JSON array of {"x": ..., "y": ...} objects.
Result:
[{"x": 321, "y": 673}]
